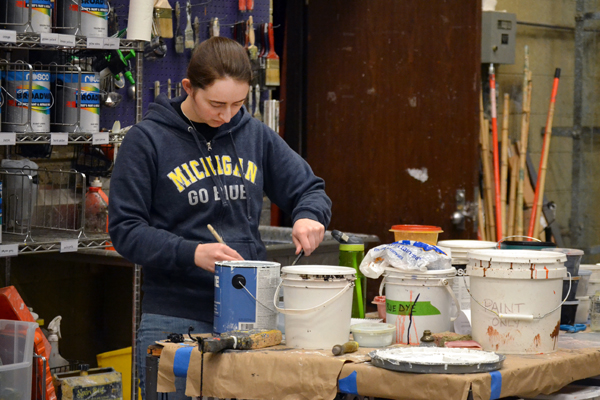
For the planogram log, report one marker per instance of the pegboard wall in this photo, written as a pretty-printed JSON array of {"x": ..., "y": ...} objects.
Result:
[{"x": 173, "y": 66}]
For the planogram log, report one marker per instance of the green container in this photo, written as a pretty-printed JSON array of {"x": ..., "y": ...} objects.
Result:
[
  {"x": 524, "y": 245},
  {"x": 351, "y": 255}
]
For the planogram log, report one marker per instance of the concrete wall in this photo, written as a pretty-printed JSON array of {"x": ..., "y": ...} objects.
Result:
[{"x": 550, "y": 49}]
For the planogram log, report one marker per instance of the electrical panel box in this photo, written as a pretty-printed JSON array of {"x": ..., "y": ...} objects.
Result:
[{"x": 498, "y": 36}]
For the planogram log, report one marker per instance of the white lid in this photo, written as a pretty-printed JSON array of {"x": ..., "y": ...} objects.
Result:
[
  {"x": 569, "y": 252},
  {"x": 96, "y": 183},
  {"x": 467, "y": 244},
  {"x": 318, "y": 270},
  {"x": 589, "y": 267},
  {"x": 247, "y": 264},
  {"x": 522, "y": 256},
  {"x": 373, "y": 328}
]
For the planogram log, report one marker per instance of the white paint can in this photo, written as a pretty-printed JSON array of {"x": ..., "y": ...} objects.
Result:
[
  {"x": 416, "y": 301},
  {"x": 18, "y": 90},
  {"x": 318, "y": 305},
  {"x": 516, "y": 299}
]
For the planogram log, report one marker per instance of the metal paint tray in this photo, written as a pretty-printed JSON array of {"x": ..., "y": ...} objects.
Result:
[{"x": 436, "y": 360}]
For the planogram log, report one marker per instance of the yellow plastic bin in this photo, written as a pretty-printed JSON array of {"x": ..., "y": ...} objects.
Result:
[
  {"x": 120, "y": 360},
  {"x": 420, "y": 233}
]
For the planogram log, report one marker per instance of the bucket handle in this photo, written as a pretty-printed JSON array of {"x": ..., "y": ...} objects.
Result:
[
  {"x": 514, "y": 236},
  {"x": 298, "y": 311},
  {"x": 443, "y": 282},
  {"x": 521, "y": 317},
  {"x": 446, "y": 284}
]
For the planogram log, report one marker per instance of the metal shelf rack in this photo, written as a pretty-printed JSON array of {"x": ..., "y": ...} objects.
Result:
[{"x": 32, "y": 41}]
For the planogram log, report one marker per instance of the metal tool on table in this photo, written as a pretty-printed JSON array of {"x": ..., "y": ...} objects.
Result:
[
  {"x": 241, "y": 340},
  {"x": 178, "y": 35},
  {"x": 189, "y": 32},
  {"x": 348, "y": 347}
]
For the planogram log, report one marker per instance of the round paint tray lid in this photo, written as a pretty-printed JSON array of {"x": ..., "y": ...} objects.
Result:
[
  {"x": 457, "y": 245},
  {"x": 519, "y": 256},
  {"x": 440, "y": 360}
]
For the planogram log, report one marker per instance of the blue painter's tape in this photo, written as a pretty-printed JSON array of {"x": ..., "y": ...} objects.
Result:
[
  {"x": 348, "y": 384},
  {"x": 181, "y": 361},
  {"x": 496, "y": 385}
]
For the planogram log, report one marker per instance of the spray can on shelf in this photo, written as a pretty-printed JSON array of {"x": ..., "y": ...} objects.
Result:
[
  {"x": 94, "y": 18},
  {"x": 55, "y": 360},
  {"x": 352, "y": 252},
  {"x": 96, "y": 208},
  {"x": 17, "y": 15}
]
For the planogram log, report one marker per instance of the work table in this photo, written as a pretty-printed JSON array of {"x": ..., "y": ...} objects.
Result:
[{"x": 282, "y": 373}]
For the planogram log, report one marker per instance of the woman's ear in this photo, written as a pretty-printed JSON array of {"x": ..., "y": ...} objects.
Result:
[{"x": 187, "y": 86}]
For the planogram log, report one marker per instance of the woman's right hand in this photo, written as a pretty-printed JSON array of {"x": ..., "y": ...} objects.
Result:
[{"x": 207, "y": 254}]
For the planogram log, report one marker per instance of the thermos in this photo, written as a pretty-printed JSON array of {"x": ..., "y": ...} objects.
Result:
[{"x": 352, "y": 252}]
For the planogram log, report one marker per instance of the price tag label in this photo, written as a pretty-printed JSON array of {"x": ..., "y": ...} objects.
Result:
[
  {"x": 112, "y": 43},
  {"x": 8, "y": 36},
  {"x": 8, "y": 138},
  {"x": 9, "y": 250},
  {"x": 49, "y": 38},
  {"x": 100, "y": 138},
  {"x": 66, "y": 40},
  {"x": 59, "y": 138},
  {"x": 68, "y": 246},
  {"x": 95, "y": 43}
]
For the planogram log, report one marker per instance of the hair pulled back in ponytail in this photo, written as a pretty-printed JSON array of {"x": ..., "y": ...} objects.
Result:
[{"x": 218, "y": 58}]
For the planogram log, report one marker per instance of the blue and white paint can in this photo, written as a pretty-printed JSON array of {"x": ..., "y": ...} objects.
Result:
[{"x": 244, "y": 293}]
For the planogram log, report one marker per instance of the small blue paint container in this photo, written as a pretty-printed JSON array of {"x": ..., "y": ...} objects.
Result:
[{"x": 244, "y": 292}]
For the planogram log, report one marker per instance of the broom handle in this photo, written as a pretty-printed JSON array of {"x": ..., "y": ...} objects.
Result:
[
  {"x": 504, "y": 161},
  {"x": 538, "y": 200},
  {"x": 495, "y": 152},
  {"x": 488, "y": 194},
  {"x": 527, "y": 88}
]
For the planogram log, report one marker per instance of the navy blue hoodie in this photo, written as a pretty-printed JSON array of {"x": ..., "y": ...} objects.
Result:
[{"x": 168, "y": 183}]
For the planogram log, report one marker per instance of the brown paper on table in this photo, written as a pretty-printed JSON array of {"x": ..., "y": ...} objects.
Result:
[
  {"x": 166, "y": 378},
  {"x": 273, "y": 373},
  {"x": 194, "y": 374}
]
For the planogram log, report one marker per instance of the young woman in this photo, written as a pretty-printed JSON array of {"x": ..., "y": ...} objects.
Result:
[{"x": 196, "y": 160}]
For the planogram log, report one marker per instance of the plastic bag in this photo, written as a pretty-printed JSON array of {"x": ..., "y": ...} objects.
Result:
[{"x": 405, "y": 255}]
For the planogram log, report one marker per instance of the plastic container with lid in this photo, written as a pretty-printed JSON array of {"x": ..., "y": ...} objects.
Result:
[
  {"x": 584, "y": 280},
  {"x": 371, "y": 334},
  {"x": 573, "y": 258},
  {"x": 420, "y": 233},
  {"x": 96, "y": 209}
]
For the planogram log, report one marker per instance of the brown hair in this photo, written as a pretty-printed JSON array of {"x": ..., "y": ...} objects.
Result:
[{"x": 217, "y": 58}]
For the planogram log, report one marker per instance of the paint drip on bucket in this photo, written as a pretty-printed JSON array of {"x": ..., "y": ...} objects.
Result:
[
  {"x": 18, "y": 91},
  {"x": 17, "y": 12},
  {"x": 244, "y": 293}
]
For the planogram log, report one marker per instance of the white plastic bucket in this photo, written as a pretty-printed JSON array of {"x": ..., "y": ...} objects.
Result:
[
  {"x": 318, "y": 305},
  {"x": 417, "y": 301},
  {"x": 516, "y": 299}
]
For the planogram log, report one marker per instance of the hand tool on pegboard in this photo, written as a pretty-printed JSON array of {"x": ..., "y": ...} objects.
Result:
[
  {"x": 169, "y": 88},
  {"x": 189, "y": 31},
  {"x": 178, "y": 34},
  {"x": 257, "y": 113},
  {"x": 163, "y": 17},
  {"x": 214, "y": 27},
  {"x": 272, "y": 72},
  {"x": 196, "y": 31},
  {"x": 242, "y": 5}
]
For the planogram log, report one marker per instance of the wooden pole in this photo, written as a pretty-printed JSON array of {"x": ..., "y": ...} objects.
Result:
[
  {"x": 480, "y": 220},
  {"x": 538, "y": 200},
  {"x": 526, "y": 106},
  {"x": 488, "y": 193},
  {"x": 514, "y": 170},
  {"x": 504, "y": 162},
  {"x": 494, "y": 145}
]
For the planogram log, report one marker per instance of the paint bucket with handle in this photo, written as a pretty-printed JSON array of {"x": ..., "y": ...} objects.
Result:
[
  {"x": 318, "y": 305},
  {"x": 416, "y": 301},
  {"x": 516, "y": 299}
]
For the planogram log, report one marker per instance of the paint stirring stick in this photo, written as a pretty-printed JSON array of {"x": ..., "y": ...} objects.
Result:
[{"x": 215, "y": 234}]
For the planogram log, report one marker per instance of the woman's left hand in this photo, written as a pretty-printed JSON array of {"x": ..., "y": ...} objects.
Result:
[{"x": 307, "y": 234}]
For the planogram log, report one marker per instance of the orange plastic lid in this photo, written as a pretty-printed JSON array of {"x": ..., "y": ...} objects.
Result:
[{"x": 416, "y": 228}]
